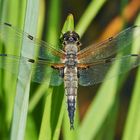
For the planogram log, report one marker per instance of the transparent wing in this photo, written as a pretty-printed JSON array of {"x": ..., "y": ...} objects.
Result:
[
  {"x": 12, "y": 35},
  {"x": 98, "y": 69},
  {"x": 41, "y": 69},
  {"x": 110, "y": 46},
  {"x": 44, "y": 73}
]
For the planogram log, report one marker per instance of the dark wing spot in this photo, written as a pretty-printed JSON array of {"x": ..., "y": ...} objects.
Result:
[
  {"x": 134, "y": 55},
  {"x": 7, "y": 24},
  {"x": 31, "y": 60},
  {"x": 42, "y": 59},
  {"x": 30, "y": 37},
  {"x": 3, "y": 54}
]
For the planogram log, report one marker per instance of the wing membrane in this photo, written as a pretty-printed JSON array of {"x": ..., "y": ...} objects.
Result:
[
  {"x": 98, "y": 69},
  {"x": 10, "y": 34},
  {"x": 44, "y": 73},
  {"x": 110, "y": 46},
  {"x": 41, "y": 69}
]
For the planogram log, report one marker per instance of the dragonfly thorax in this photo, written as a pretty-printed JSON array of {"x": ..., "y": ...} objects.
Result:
[
  {"x": 71, "y": 49},
  {"x": 71, "y": 55},
  {"x": 71, "y": 60}
]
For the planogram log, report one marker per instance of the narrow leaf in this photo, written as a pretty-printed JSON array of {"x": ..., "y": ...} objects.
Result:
[{"x": 23, "y": 85}]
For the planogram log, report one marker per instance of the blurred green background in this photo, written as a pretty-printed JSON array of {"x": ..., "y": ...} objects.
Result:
[{"x": 106, "y": 111}]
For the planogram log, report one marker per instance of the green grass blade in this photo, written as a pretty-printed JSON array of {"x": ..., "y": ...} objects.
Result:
[
  {"x": 10, "y": 10},
  {"x": 69, "y": 24},
  {"x": 47, "y": 131},
  {"x": 31, "y": 131},
  {"x": 9, "y": 13},
  {"x": 99, "y": 108},
  {"x": 88, "y": 15},
  {"x": 52, "y": 36},
  {"x": 23, "y": 85},
  {"x": 132, "y": 127},
  {"x": 52, "y": 116}
]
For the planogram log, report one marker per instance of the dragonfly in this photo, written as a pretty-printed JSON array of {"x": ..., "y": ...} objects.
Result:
[{"x": 70, "y": 64}]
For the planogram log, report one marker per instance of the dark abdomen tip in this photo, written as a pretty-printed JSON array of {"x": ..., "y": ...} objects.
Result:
[{"x": 71, "y": 111}]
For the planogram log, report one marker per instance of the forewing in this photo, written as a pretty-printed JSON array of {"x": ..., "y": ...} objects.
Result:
[
  {"x": 97, "y": 70},
  {"x": 12, "y": 35},
  {"x": 41, "y": 69},
  {"x": 110, "y": 46}
]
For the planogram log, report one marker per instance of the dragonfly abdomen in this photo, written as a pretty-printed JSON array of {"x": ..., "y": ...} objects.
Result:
[{"x": 71, "y": 85}]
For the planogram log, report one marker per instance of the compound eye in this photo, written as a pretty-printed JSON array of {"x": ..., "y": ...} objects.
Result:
[{"x": 65, "y": 38}]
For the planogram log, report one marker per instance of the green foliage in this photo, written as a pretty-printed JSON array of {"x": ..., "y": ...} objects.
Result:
[{"x": 132, "y": 126}]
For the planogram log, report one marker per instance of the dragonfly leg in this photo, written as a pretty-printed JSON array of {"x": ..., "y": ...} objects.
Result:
[
  {"x": 78, "y": 74},
  {"x": 61, "y": 72}
]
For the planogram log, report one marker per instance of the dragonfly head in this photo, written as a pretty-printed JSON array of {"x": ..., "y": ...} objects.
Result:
[{"x": 70, "y": 37}]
